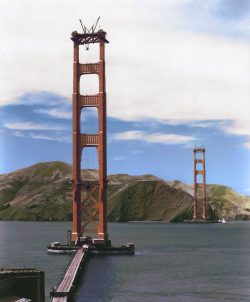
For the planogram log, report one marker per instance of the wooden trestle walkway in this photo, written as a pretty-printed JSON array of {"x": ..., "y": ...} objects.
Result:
[{"x": 64, "y": 291}]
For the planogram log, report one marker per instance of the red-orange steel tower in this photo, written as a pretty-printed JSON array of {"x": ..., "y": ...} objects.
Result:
[
  {"x": 199, "y": 158},
  {"x": 81, "y": 140}
]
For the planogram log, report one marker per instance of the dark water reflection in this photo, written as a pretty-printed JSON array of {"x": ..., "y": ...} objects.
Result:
[
  {"x": 173, "y": 262},
  {"x": 23, "y": 244}
]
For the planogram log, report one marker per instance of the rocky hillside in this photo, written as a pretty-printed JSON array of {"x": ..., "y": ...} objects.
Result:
[{"x": 43, "y": 192}]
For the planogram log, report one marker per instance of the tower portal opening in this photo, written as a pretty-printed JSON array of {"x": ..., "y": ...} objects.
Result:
[
  {"x": 89, "y": 120},
  {"x": 89, "y": 84}
]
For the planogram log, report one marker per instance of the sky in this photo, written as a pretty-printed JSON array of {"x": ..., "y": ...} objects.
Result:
[{"x": 177, "y": 75}]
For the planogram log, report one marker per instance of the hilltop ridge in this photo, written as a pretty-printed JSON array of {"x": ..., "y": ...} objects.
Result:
[{"x": 43, "y": 192}]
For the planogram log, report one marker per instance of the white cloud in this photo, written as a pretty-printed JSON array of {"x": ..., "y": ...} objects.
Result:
[
  {"x": 127, "y": 135},
  {"x": 169, "y": 138},
  {"x": 207, "y": 124},
  {"x": 199, "y": 78},
  {"x": 56, "y": 113},
  {"x": 162, "y": 138},
  {"x": 31, "y": 126},
  {"x": 156, "y": 69},
  {"x": 59, "y": 139},
  {"x": 238, "y": 127},
  {"x": 40, "y": 136}
]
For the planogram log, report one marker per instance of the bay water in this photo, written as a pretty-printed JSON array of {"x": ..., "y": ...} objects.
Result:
[{"x": 173, "y": 262}]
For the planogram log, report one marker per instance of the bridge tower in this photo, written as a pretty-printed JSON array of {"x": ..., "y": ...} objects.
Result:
[
  {"x": 95, "y": 192},
  {"x": 199, "y": 159}
]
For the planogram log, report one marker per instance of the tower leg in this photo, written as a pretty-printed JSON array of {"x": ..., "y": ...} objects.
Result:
[{"x": 195, "y": 209}]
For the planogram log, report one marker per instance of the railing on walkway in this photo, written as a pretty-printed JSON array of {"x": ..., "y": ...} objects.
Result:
[{"x": 65, "y": 288}]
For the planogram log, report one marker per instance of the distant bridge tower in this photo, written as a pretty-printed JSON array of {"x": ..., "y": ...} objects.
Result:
[
  {"x": 81, "y": 208},
  {"x": 199, "y": 206}
]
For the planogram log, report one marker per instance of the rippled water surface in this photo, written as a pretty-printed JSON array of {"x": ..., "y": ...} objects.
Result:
[{"x": 173, "y": 262}]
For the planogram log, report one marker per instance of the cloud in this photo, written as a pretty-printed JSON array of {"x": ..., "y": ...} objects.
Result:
[
  {"x": 230, "y": 127},
  {"x": 40, "y": 136},
  {"x": 162, "y": 138},
  {"x": 56, "y": 113},
  {"x": 43, "y": 98},
  {"x": 207, "y": 124},
  {"x": 192, "y": 69},
  {"x": 207, "y": 81},
  {"x": 58, "y": 138},
  {"x": 238, "y": 127},
  {"x": 127, "y": 135},
  {"x": 31, "y": 126}
]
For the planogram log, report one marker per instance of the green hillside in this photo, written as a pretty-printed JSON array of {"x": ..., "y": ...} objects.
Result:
[{"x": 44, "y": 192}]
